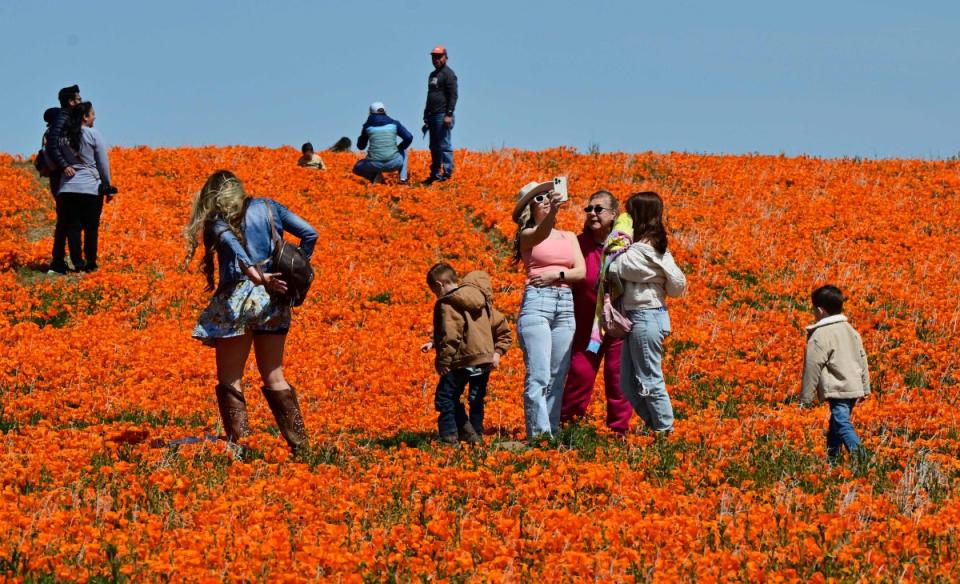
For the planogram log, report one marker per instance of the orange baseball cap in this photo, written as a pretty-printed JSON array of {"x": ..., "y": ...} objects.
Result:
[{"x": 439, "y": 50}]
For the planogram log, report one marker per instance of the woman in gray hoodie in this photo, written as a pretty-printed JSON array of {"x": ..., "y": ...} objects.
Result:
[{"x": 82, "y": 194}]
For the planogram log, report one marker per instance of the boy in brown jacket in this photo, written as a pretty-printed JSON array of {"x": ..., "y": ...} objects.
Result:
[
  {"x": 470, "y": 336},
  {"x": 834, "y": 368}
]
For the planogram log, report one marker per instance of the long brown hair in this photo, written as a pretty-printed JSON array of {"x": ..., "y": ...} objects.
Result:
[
  {"x": 646, "y": 210},
  {"x": 74, "y": 127},
  {"x": 222, "y": 197}
]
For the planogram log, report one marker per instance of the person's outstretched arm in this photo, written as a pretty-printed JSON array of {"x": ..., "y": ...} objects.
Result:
[
  {"x": 406, "y": 138},
  {"x": 101, "y": 156},
  {"x": 451, "y": 92},
  {"x": 531, "y": 236},
  {"x": 293, "y": 223}
]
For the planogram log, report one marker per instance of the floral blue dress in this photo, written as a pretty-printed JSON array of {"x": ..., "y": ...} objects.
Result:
[
  {"x": 239, "y": 308},
  {"x": 239, "y": 305}
]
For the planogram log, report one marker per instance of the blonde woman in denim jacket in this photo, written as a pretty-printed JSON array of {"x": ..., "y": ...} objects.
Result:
[{"x": 244, "y": 311}]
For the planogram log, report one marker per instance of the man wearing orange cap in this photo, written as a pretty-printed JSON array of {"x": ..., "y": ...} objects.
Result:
[{"x": 438, "y": 115}]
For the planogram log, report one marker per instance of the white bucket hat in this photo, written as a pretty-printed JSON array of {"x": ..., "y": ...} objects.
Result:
[{"x": 527, "y": 193}]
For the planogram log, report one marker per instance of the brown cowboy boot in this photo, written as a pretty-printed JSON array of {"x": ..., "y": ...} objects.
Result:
[
  {"x": 286, "y": 411},
  {"x": 233, "y": 412}
]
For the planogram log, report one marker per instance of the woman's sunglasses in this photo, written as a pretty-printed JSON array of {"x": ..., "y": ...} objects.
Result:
[{"x": 540, "y": 198}]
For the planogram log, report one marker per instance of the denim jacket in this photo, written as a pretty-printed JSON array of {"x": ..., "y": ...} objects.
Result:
[{"x": 232, "y": 256}]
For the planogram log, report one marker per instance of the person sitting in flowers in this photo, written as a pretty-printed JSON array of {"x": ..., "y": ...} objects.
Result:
[
  {"x": 835, "y": 369},
  {"x": 470, "y": 336},
  {"x": 310, "y": 159},
  {"x": 242, "y": 312},
  {"x": 649, "y": 274}
]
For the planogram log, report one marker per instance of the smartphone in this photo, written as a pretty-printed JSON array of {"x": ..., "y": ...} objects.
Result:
[{"x": 560, "y": 186}]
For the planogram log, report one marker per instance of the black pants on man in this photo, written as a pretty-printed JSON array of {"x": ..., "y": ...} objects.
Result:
[{"x": 80, "y": 214}]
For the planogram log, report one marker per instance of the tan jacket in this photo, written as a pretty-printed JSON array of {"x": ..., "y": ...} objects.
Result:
[
  {"x": 467, "y": 329},
  {"x": 834, "y": 363},
  {"x": 314, "y": 162}
]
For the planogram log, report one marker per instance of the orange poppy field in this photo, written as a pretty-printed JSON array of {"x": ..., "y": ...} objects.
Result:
[{"x": 105, "y": 398}]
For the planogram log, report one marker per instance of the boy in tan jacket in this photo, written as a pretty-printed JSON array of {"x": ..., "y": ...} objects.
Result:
[
  {"x": 834, "y": 368},
  {"x": 470, "y": 336}
]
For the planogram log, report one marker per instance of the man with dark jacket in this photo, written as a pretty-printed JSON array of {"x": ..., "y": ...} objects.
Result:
[
  {"x": 379, "y": 137},
  {"x": 54, "y": 142},
  {"x": 69, "y": 98},
  {"x": 438, "y": 115}
]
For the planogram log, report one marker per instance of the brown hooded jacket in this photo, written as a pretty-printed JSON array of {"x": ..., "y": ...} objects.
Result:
[{"x": 467, "y": 329}]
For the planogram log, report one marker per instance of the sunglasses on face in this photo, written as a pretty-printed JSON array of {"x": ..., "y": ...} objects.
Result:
[
  {"x": 594, "y": 208},
  {"x": 540, "y": 198}
]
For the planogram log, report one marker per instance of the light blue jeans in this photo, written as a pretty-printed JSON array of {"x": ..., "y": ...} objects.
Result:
[
  {"x": 641, "y": 371},
  {"x": 840, "y": 432},
  {"x": 369, "y": 169},
  {"x": 441, "y": 147},
  {"x": 545, "y": 327}
]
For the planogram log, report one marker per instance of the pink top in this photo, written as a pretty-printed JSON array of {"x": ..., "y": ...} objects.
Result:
[{"x": 550, "y": 255}]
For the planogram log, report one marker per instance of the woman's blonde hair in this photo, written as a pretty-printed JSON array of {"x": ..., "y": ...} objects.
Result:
[
  {"x": 222, "y": 197},
  {"x": 524, "y": 221}
]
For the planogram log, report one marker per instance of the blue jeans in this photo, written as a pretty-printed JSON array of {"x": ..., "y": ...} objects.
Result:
[
  {"x": 369, "y": 169},
  {"x": 840, "y": 431},
  {"x": 641, "y": 371},
  {"x": 545, "y": 328},
  {"x": 441, "y": 147},
  {"x": 446, "y": 400}
]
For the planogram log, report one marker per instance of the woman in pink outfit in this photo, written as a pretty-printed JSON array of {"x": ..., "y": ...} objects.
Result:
[
  {"x": 552, "y": 261},
  {"x": 602, "y": 209}
]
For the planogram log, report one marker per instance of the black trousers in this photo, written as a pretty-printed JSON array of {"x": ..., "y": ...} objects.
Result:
[
  {"x": 78, "y": 220},
  {"x": 59, "y": 235}
]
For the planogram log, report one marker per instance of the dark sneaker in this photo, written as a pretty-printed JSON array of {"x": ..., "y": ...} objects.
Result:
[
  {"x": 432, "y": 180},
  {"x": 449, "y": 439},
  {"x": 469, "y": 435},
  {"x": 377, "y": 180},
  {"x": 89, "y": 268},
  {"x": 57, "y": 269}
]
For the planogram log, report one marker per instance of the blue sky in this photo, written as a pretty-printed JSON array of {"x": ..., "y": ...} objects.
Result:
[{"x": 874, "y": 79}]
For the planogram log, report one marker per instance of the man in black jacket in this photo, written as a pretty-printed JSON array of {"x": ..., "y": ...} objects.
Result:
[
  {"x": 69, "y": 98},
  {"x": 438, "y": 115}
]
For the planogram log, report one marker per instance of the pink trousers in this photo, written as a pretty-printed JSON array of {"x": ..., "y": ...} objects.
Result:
[{"x": 578, "y": 391}]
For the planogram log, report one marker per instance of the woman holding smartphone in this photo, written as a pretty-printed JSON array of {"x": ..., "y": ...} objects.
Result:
[{"x": 552, "y": 260}]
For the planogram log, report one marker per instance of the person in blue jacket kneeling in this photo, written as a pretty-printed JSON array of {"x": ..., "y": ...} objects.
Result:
[{"x": 379, "y": 138}]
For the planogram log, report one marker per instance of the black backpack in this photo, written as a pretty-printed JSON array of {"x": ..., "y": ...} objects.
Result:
[
  {"x": 40, "y": 163},
  {"x": 291, "y": 263}
]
